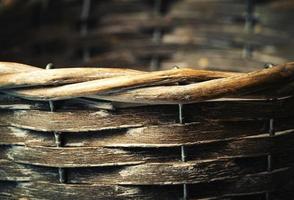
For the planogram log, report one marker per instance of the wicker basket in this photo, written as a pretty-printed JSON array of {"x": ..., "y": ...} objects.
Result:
[
  {"x": 147, "y": 34},
  {"x": 171, "y": 134},
  {"x": 98, "y": 133}
]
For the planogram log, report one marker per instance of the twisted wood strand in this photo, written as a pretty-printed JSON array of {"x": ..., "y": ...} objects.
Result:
[{"x": 124, "y": 85}]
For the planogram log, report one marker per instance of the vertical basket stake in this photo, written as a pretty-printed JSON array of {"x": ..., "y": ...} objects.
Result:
[
  {"x": 51, "y": 105},
  {"x": 157, "y": 33},
  {"x": 249, "y": 26},
  {"x": 269, "y": 157},
  {"x": 84, "y": 26},
  {"x": 271, "y": 134},
  {"x": 183, "y": 151},
  {"x": 57, "y": 136}
]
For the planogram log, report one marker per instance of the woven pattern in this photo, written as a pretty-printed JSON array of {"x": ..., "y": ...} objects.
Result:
[
  {"x": 149, "y": 34},
  {"x": 114, "y": 133},
  {"x": 82, "y": 147}
]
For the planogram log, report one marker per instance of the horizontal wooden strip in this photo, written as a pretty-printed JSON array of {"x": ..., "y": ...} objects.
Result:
[
  {"x": 11, "y": 171},
  {"x": 216, "y": 35},
  {"x": 220, "y": 15},
  {"x": 143, "y": 174},
  {"x": 167, "y": 135},
  {"x": 146, "y": 174},
  {"x": 247, "y": 184},
  {"x": 196, "y": 15},
  {"x": 212, "y": 35},
  {"x": 264, "y": 109},
  {"x": 44, "y": 190},
  {"x": 148, "y": 136},
  {"x": 168, "y": 173},
  {"x": 14, "y": 103},
  {"x": 172, "y": 135},
  {"x": 204, "y": 57},
  {"x": 239, "y": 106},
  {"x": 242, "y": 147},
  {"x": 16, "y": 136},
  {"x": 77, "y": 121},
  {"x": 23, "y": 106},
  {"x": 264, "y": 10},
  {"x": 86, "y": 157},
  {"x": 192, "y": 56},
  {"x": 100, "y": 156},
  {"x": 233, "y": 36},
  {"x": 250, "y": 184}
]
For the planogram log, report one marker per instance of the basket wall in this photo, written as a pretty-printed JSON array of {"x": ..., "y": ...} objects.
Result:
[{"x": 226, "y": 34}]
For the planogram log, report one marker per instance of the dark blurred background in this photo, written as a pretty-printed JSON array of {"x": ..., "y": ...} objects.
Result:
[{"x": 236, "y": 35}]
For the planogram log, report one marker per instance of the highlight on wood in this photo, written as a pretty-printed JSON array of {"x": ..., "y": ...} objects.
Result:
[{"x": 132, "y": 86}]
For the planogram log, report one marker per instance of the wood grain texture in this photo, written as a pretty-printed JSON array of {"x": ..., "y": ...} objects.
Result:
[
  {"x": 44, "y": 190},
  {"x": 76, "y": 121},
  {"x": 195, "y": 92},
  {"x": 86, "y": 120},
  {"x": 11, "y": 67},
  {"x": 183, "y": 33},
  {"x": 167, "y": 173},
  {"x": 239, "y": 187},
  {"x": 110, "y": 84},
  {"x": 13, "y": 103},
  {"x": 204, "y": 90},
  {"x": 173, "y": 135},
  {"x": 103, "y": 156},
  {"x": 148, "y": 136},
  {"x": 11, "y": 171},
  {"x": 16, "y": 136},
  {"x": 225, "y": 110},
  {"x": 85, "y": 157},
  {"x": 60, "y": 76},
  {"x": 189, "y": 56},
  {"x": 247, "y": 184},
  {"x": 77, "y": 75}
]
